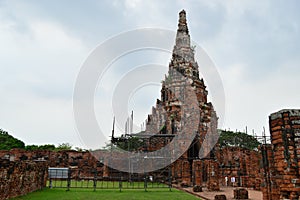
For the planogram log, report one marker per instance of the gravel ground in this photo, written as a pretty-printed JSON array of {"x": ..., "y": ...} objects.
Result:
[{"x": 228, "y": 191}]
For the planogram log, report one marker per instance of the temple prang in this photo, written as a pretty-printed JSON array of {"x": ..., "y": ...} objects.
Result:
[
  {"x": 168, "y": 116},
  {"x": 183, "y": 70}
]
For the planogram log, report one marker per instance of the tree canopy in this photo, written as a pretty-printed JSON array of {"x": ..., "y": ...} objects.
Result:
[
  {"x": 8, "y": 142},
  {"x": 51, "y": 147},
  {"x": 240, "y": 139},
  {"x": 40, "y": 147},
  {"x": 64, "y": 146},
  {"x": 130, "y": 143},
  {"x": 227, "y": 138}
]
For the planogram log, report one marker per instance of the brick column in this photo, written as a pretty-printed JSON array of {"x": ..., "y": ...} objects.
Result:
[
  {"x": 285, "y": 138},
  {"x": 212, "y": 175},
  {"x": 197, "y": 172},
  {"x": 186, "y": 176}
]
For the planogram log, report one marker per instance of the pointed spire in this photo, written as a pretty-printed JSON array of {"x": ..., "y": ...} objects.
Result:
[
  {"x": 182, "y": 37},
  {"x": 182, "y": 25},
  {"x": 183, "y": 53}
]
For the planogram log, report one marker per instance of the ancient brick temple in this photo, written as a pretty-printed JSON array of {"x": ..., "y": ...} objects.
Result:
[
  {"x": 274, "y": 167},
  {"x": 167, "y": 117},
  {"x": 282, "y": 157}
]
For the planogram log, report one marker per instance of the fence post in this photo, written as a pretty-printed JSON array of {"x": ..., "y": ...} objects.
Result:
[
  {"x": 50, "y": 178},
  {"x": 50, "y": 183},
  {"x": 69, "y": 180},
  {"x": 120, "y": 184},
  {"x": 170, "y": 179},
  {"x": 95, "y": 180},
  {"x": 145, "y": 182},
  {"x": 120, "y": 181}
]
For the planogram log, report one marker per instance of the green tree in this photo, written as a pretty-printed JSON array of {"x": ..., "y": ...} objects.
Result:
[
  {"x": 31, "y": 147},
  {"x": 47, "y": 147},
  {"x": 240, "y": 139},
  {"x": 64, "y": 146},
  {"x": 8, "y": 142},
  {"x": 133, "y": 143}
]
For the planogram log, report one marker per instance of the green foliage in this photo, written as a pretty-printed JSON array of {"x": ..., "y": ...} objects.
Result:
[
  {"x": 64, "y": 146},
  {"x": 131, "y": 144},
  {"x": 240, "y": 139},
  {"x": 50, "y": 147},
  {"x": 8, "y": 142},
  {"x": 31, "y": 147},
  {"x": 47, "y": 147}
]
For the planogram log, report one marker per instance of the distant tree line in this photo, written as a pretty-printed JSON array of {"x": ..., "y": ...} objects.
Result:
[
  {"x": 51, "y": 147},
  {"x": 226, "y": 138},
  {"x": 40, "y": 147},
  {"x": 8, "y": 142}
]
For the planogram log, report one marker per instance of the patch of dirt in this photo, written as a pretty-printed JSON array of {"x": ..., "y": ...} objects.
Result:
[{"x": 228, "y": 191}]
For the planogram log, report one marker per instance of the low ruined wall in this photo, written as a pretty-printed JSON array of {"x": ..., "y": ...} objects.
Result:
[
  {"x": 21, "y": 177},
  {"x": 242, "y": 164},
  {"x": 85, "y": 162}
]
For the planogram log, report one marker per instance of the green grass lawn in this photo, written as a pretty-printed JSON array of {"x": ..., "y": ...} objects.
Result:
[
  {"x": 105, "y": 184},
  {"x": 129, "y": 194}
]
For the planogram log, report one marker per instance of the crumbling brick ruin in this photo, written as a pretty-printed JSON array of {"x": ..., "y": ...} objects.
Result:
[
  {"x": 84, "y": 162},
  {"x": 241, "y": 163},
  {"x": 21, "y": 177},
  {"x": 282, "y": 157}
]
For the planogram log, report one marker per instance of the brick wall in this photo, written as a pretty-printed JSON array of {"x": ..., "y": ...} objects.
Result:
[
  {"x": 21, "y": 177},
  {"x": 283, "y": 156},
  {"x": 241, "y": 163},
  {"x": 24, "y": 171}
]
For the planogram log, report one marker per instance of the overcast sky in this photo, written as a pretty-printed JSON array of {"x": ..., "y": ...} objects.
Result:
[{"x": 254, "y": 44}]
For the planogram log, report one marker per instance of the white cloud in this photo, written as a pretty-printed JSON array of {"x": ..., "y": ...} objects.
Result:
[
  {"x": 251, "y": 102},
  {"x": 254, "y": 45},
  {"x": 39, "y": 67}
]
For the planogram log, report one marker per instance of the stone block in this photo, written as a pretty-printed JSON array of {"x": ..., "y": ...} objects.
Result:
[
  {"x": 197, "y": 188},
  {"x": 184, "y": 184},
  {"x": 240, "y": 193},
  {"x": 220, "y": 197}
]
